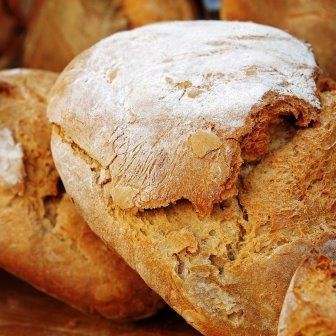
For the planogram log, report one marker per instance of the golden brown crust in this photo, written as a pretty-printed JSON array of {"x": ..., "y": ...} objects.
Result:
[
  {"x": 313, "y": 21},
  {"x": 226, "y": 273},
  {"x": 43, "y": 239},
  {"x": 75, "y": 25},
  {"x": 310, "y": 304}
]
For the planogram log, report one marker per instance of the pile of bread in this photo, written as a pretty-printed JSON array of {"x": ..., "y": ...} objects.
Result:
[{"x": 188, "y": 163}]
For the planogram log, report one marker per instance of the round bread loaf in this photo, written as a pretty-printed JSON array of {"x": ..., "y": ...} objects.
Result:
[
  {"x": 43, "y": 239},
  {"x": 310, "y": 304},
  {"x": 76, "y": 25},
  {"x": 311, "y": 20},
  {"x": 204, "y": 159}
]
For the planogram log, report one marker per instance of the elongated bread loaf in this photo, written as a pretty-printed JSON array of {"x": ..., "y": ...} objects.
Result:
[{"x": 43, "y": 239}]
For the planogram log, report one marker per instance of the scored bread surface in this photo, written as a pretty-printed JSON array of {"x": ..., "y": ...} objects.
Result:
[
  {"x": 120, "y": 128},
  {"x": 43, "y": 239}
]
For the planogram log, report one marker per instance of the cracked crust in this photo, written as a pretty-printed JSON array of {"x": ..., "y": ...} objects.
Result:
[
  {"x": 43, "y": 239},
  {"x": 310, "y": 304},
  {"x": 226, "y": 273},
  {"x": 76, "y": 25},
  {"x": 160, "y": 142}
]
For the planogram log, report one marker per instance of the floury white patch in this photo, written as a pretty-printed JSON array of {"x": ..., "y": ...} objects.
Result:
[
  {"x": 11, "y": 160},
  {"x": 158, "y": 108}
]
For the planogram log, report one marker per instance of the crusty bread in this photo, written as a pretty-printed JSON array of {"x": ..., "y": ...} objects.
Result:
[
  {"x": 311, "y": 20},
  {"x": 217, "y": 130},
  {"x": 310, "y": 304},
  {"x": 43, "y": 239},
  {"x": 75, "y": 25}
]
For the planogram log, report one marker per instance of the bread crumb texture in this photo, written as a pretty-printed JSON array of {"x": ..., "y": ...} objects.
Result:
[
  {"x": 216, "y": 226},
  {"x": 43, "y": 239}
]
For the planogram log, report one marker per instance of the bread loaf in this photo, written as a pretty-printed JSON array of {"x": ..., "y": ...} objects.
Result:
[
  {"x": 75, "y": 25},
  {"x": 310, "y": 20},
  {"x": 205, "y": 159},
  {"x": 43, "y": 239}
]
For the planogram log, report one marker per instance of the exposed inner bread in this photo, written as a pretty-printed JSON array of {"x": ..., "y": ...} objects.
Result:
[
  {"x": 43, "y": 238},
  {"x": 214, "y": 197}
]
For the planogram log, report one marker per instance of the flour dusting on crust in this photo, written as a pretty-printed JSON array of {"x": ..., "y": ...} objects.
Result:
[
  {"x": 134, "y": 101},
  {"x": 11, "y": 160}
]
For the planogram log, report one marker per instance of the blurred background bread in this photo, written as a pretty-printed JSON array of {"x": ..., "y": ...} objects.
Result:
[
  {"x": 164, "y": 108},
  {"x": 59, "y": 30},
  {"x": 43, "y": 239},
  {"x": 313, "y": 21},
  {"x": 10, "y": 36}
]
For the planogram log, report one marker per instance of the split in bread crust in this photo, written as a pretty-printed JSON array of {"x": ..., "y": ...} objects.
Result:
[
  {"x": 225, "y": 270},
  {"x": 43, "y": 239}
]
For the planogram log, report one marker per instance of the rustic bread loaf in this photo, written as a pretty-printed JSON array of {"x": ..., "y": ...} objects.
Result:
[
  {"x": 43, "y": 239},
  {"x": 205, "y": 160},
  {"x": 311, "y": 20},
  {"x": 75, "y": 25},
  {"x": 310, "y": 304}
]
